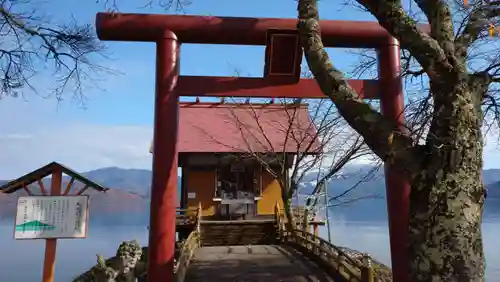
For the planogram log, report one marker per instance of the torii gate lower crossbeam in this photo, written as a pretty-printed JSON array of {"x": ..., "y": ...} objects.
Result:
[{"x": 168, "y": 31}]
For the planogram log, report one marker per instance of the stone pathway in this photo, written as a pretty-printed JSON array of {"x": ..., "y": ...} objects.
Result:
[{"x": 253, "y": 264}]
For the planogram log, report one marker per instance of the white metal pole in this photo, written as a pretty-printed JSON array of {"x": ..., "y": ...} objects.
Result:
[{"x": 326, "y": 212}]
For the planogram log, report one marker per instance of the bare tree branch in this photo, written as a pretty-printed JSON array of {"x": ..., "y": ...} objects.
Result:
[
  {"x": 386, "y": 140},
  {"x": 426, "y": 50},
  {"x": 167, "y": 5},
  {"x": 439, "y": 16},
  {"x": 31, "y": 43},
  {"x": 478, "y": 23}
]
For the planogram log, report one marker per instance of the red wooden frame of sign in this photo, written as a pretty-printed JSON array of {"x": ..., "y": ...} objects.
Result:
[{"x": 281, "y": 79}]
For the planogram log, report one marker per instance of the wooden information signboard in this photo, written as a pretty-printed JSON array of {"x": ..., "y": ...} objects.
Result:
[
  {"x": 51, "y": 217},
  {"x": 53, "y": 213}
]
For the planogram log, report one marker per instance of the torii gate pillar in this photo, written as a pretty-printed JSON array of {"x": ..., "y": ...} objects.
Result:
[{"x": 164, "y": 187}]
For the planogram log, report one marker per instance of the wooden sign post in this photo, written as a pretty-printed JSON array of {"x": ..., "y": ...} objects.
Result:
[
  {"x": 51, "y": 244},
  {"x": 53, "y": 214}
]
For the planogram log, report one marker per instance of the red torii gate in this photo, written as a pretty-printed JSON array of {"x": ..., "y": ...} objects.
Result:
[{"x": 281, "y": 79}]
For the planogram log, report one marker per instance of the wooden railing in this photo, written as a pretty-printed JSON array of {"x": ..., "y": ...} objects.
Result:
[
  {"x": 330, "y": 257},
  {"x": 300, "y": 214},
  {"x": 302, "y": 218},
  {"x": 186, "y": 216},
  {"x": 280, "y": 223},
  {"x": 188, "y": 248}
]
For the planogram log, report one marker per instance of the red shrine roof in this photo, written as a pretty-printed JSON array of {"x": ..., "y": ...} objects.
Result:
[{"x": 229, "y": 128}]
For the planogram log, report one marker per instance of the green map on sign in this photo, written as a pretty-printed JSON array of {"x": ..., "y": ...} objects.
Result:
[{"x": 34, "y": 225}]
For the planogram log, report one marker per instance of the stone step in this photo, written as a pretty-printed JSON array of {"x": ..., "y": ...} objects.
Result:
[{"x": 239, "y": 233}]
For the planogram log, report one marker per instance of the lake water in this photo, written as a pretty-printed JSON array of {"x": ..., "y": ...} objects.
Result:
[{"x": 21, "y": 261}]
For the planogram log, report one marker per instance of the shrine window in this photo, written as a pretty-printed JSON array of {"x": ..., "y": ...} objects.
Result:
[{"x": 236, "y": 180}]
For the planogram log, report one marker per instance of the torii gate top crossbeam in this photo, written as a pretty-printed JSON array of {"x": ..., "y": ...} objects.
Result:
[{"x": 232, "y": 30}]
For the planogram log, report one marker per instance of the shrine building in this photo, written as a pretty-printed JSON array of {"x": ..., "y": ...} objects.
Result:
[{"x": 224, "y": 149}]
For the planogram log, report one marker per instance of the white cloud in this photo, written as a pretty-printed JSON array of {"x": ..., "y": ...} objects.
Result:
[
  {"x": 80, "y": 146},
  {"x": 33, "y": 134},
  {"x": 491, "y": 153},
  {"x": 16, "y": 136},
  {"x": 85, "y": 147},
  {"x": 35, "y": 131}
]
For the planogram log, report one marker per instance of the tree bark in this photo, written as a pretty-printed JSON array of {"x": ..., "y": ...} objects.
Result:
[
  {"x": 290, "y": 220},
  {"x": 447, "y": 196},
  {"x": 288, "y": 188}
]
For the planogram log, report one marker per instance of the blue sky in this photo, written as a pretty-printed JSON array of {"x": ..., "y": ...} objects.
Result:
[{"x": 114, "y": 128}]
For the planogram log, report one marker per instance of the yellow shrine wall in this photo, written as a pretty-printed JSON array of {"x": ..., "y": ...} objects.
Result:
[
  {"x": 270, "y": 194},
  {"x": 203, "y": 182}
]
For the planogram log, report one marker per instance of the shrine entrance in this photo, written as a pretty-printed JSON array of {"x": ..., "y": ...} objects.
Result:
[
  {"x": 281, "y": 80},
  {"x": 236, "y": 190}
]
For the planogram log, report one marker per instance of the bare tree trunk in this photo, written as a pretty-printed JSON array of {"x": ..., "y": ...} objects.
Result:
[
  {"x": 287, "y": 189},
  {"x": 290, "y": 222},
  {"x": 447, "y": 195}
]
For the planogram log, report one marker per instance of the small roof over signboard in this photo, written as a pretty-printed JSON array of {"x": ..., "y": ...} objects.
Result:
[
  {"x": 23, "y": 181},
  {"x": 246, "y": 127}
]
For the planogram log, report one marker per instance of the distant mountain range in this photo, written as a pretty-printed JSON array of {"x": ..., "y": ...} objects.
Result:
[
  {"x": 371, "y": 181},
  {"x": 370, "y": 191},
  {"x": 127, "y": 201}
]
